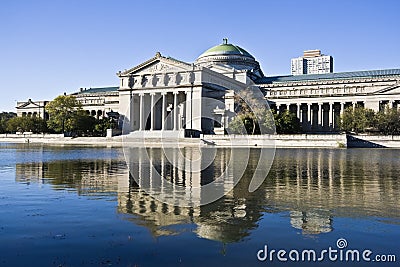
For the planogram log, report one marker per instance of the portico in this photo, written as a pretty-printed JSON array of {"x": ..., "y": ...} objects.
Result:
[
  {"x": 159, "y": 110},
  {"x": 165, "y": 95}
]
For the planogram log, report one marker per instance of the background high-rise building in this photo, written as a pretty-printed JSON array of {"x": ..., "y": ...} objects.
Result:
[{"x": 312, "y": 62}]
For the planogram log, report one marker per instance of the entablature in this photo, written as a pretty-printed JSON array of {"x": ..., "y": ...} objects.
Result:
[
  {"x": 364, "y": 87},
  {"x": 331, "y": 82}
]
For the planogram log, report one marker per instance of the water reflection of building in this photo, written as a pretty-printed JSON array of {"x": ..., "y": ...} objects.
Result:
[
  {"x": 29, "y": 172},
  {"x": 314, "y": 222},
  {"x": 344, "y": 182},
  {"x": 158, "y": 217},
  {"x": 225, "y": 220},
  {"x": 228, "y": 220},
  {"x": 87, "y": 177},
  {"x": 313, "y": 186}
]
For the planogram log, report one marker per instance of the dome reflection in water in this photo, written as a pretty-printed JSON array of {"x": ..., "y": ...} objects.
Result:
[{"x": 309, "y": 199}]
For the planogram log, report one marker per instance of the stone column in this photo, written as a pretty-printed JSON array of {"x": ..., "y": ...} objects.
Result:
[
  {"x": 320, "y": 115},
  {"x": 141, "y": 112},
  {"x": 278, "y": 111},
  {"x": 152, "y": 110},
  {"x": 131, "y": 111},
  {"x": 331, "y": 114},
  {"x": 309, "y": 112},
  {"x": 188, "y": 109},
  {"x": 341, "y": 108},
  {"x": 354, "y": 105},
  {"x": 175, "y": 110},
  {"x": 163, "y": 111},
  {"x": 299, "y": 111}
]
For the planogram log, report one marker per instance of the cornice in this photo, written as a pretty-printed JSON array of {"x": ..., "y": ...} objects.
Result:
[{"x": 330, "y": 82}]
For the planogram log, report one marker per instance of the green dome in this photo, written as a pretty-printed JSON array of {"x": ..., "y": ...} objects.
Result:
[
  {"x": 231, "y": 56},
  {"x": 226, "y": 49}
]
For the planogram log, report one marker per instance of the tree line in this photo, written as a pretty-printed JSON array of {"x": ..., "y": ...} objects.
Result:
[
  {"x": 65, "y": 116},
  {"x": 258, "y": 119},
  {"x": 363, "y": 120},
  {"x": 286, "y": 122}
]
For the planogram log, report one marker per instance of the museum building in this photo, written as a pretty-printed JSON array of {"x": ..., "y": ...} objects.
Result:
[{"x": 164, "y": 95}]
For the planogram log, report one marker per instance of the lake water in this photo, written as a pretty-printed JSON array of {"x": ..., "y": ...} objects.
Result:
[{"x": 80, "y": 206}]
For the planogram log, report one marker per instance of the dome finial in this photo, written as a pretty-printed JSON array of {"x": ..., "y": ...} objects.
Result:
[{"x": 225, "y": 41}]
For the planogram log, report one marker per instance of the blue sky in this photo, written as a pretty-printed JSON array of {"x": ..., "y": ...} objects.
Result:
[{"x": 51, "y": 47}]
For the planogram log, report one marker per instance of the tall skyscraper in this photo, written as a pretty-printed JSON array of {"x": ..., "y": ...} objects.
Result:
[{"x": 312, "y": 62}]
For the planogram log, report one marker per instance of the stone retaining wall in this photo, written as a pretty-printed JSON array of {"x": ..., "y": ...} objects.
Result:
[
  {"x": 295, "y": 140},
  {"x": 374, "y": 141}
]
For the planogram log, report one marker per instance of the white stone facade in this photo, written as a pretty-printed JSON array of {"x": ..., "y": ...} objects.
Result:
[
  {"x": 167, "y": 96},
  {"x": 32, "y": 109},
  {"x": 319, "y": 100},
  {"x": 98, "y": 101},
  {"x": 95, "y": 101}
]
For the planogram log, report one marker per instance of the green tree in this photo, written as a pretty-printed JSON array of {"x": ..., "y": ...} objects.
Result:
[
  {"x": 287, "y": 122},
  {"x": 253, "y": 115},
  {"x": 62, "y": 111},
  {"x": 80, "y": 122},
  {"x": 358, "y": 120},
  {"x": 26, "y": 124},
  {"x": 4, "y": 118},
  {"x": 388, "y": 121},
  {"x": 39, "y": 125},
  {"x": 241, "y": 124},
  {"x": 18, "y": 124},
  {"x": 102, "y": 125}
]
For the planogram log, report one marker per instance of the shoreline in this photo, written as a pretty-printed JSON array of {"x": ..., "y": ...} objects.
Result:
[
  {"x": 89, "y": 141},
  {"x": 278, "y": 141}
]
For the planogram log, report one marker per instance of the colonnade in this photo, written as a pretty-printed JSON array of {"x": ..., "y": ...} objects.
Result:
[
  {"x": 159, "y": 110},
  {"x": 324, "y": 116},
  {"x": 316, "y": 116}
]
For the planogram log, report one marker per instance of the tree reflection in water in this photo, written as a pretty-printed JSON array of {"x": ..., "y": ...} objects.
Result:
[{"x": 312, "y": 185}]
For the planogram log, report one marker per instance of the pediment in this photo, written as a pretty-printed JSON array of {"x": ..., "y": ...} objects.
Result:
[
  {"x": 158, "y": 64},
  {"x": 29, "y": 105},
  {"x": 156, "y": 67}
]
